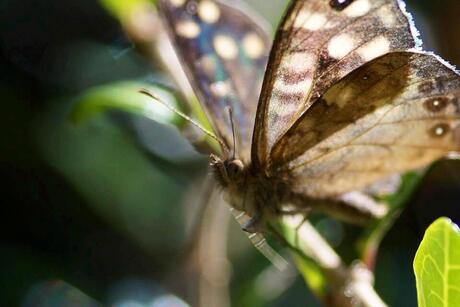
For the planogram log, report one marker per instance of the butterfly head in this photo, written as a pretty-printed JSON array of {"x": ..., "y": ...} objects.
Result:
[
  {"x": 228, "y": 172},
  {"x": 232, "y": 176}
]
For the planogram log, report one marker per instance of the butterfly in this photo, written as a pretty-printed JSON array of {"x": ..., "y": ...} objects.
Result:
[{"x": 344, "y": 97}]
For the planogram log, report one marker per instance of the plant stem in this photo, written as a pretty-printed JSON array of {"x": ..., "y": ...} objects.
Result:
[{"x": 349, "y": 286}]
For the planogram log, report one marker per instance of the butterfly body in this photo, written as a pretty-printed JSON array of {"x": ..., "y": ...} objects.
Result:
[
  {"x": 262, "y": 198},
  {"x": 248, "y": 190},
  {"x": 344, "y": 98}
]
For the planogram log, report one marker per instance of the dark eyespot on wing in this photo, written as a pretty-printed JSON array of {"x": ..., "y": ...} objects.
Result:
[
  {"x": 436, "y": 104},
  {"x": 340, "y": 5},
  {"x": 439, "y": 130}
]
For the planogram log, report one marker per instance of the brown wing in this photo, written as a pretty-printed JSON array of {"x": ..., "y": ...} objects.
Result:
[
  {"x": 400, "y": 111},
  {"x": 224, "y": 53},
  {"x": 319, "y": 42}
]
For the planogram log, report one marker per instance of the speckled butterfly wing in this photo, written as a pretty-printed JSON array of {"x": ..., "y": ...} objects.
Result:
[
  {"x": 224, "y": 53},
  {"x": 398, "y": 112},
  {"x": 318, "y": 43}
]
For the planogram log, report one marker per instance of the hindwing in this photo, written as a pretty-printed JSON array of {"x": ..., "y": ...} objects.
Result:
[
  {"x": 224, "y": 53},
  {"x": 398, "y": 112}
]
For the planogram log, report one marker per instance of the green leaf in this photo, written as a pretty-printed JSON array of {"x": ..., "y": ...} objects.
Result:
[
  {"x": 123, "y": 9},
  {"x": 437, "y": 265},
  {"x": 125, "y": 96}
]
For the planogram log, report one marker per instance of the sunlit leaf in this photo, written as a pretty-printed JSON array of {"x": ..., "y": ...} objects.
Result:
[
  {"x": 122, "y": 9},
  {"x": 125, "y": 96},
  {"x": 312, "y": 275},
  {"x": 437, "y": 265}
]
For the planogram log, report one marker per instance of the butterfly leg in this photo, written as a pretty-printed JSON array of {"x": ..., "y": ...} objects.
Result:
[
  {"x": 294, "y": 211},
  {"x": 353, "y": 207},
  {"x": 253, "y": 225},
  {"x": 297, "y": 229},
  {"x": 364, "y": 204}
]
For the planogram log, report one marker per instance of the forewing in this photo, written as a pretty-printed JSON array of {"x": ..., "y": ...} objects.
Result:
[
  {"x": 224, "y": 53},
  {"x": 318, "y": 43},
  {"x": 399, "y": 112}
]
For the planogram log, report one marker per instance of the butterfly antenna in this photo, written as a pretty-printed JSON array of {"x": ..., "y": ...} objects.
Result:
[
  {"x": 184, "y": 116},
  {"x": 230, "y": 114}
]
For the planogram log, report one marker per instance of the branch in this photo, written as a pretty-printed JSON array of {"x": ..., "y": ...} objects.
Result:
[{"x": 349, "y": 286}]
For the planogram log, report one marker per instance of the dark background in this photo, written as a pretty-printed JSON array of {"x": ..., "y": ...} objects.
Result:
[{"x": 90, "y": 208}]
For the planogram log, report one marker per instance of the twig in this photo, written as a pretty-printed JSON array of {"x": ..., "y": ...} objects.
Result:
[{"x": 350, "y": 286}]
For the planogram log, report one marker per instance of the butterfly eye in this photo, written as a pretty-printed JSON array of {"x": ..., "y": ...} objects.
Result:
[
  {"x": 234, "y": 168},
  {"x": 340, "y": 4}
]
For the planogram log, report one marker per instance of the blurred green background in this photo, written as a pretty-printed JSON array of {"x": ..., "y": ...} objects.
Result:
[{"x": 102, "y": 213}]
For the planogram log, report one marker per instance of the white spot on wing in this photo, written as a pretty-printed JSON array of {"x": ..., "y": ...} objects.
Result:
[
  {"x": 188, "y": 29},
  {"x": 177, "y": 3},
  {"x": 375, "y": 48},
  {"x": 439, "y": 130},
  {"x": 340, "y": 45},
  {"x": 387, "y": 17},
  {"x": 282, "y": 108},
  {"x": 298, "y": 87},
  {"x": 314, "y": 22},
  {"x": 225, "y": 47},
  {"x": 208, "y": 65},
  {"x": 301, "y": 18},
  {"x": 220, "y": 88},
  {"x": 358, "y": 8},
  {"x": 208, "y": 11},
  {"x": 253, "y": 45},
  {"x": 345, "y": 96},
  {"x": 299, "y": 62}
]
